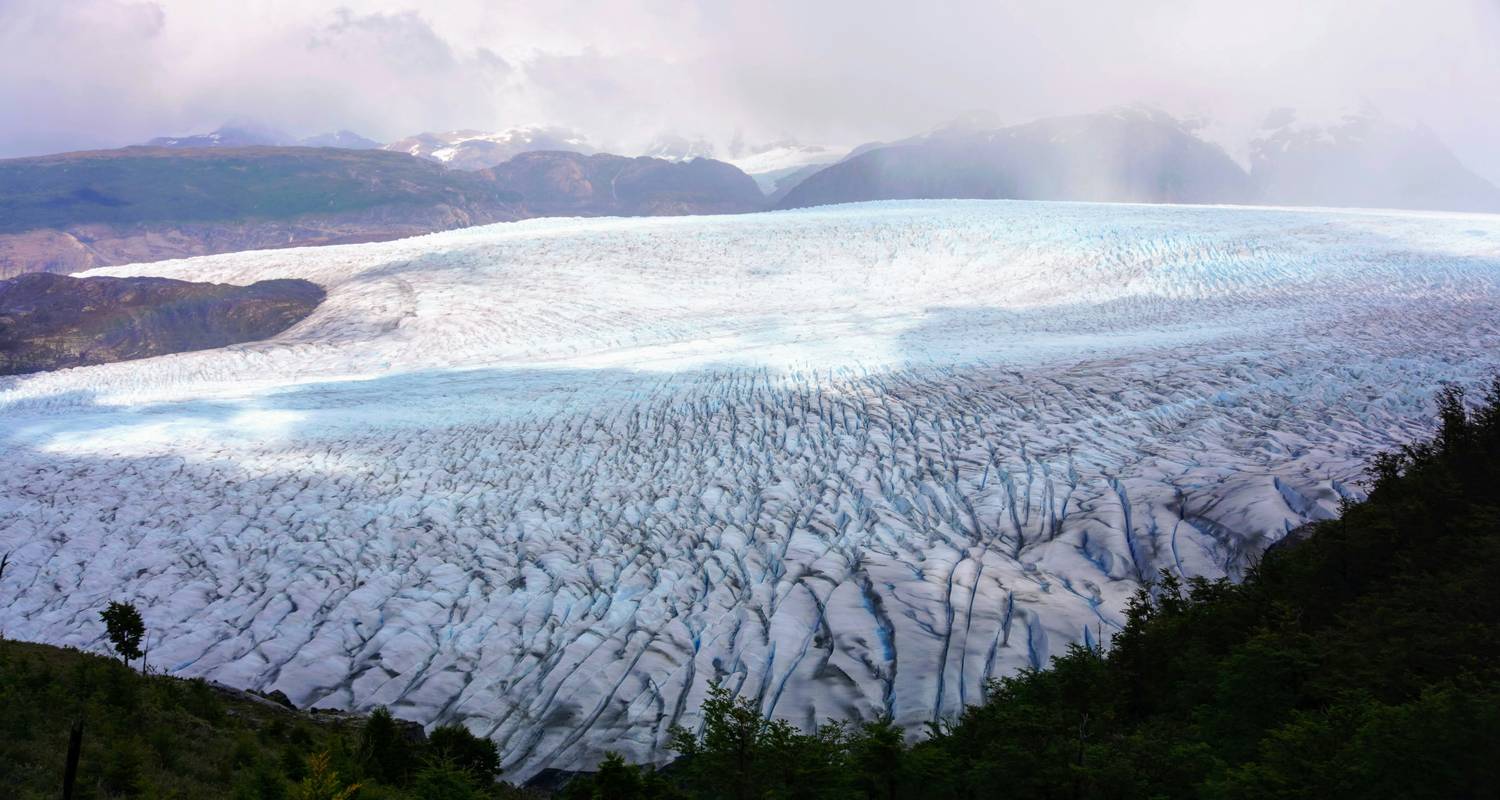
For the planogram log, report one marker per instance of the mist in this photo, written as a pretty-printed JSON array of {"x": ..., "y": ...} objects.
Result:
[{"x": 105, "y": 73}]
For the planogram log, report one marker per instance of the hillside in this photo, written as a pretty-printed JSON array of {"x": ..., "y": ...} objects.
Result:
[
  {"x": 158, "y": 736},
  {"x": 55, "y": 321},
  {"x": 1128, "y": 155},
  {"x": 565, "y": 183},
  {"x": 73, "y": 211}
]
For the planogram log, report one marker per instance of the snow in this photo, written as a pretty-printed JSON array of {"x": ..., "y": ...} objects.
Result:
[
  {"x": 552, "y": 477},
  {"x": 771, "y": 163},
  {"x": 448, "y": 146},
  {"x": 786, "y": 157}
]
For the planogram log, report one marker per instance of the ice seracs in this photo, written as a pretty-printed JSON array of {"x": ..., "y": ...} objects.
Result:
[{"x": 550, "y": 478}]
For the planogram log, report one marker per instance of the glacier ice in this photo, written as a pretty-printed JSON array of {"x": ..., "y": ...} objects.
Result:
[{"x": 550, "y": 478}]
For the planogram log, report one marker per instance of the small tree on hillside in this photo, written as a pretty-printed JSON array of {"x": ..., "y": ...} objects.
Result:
[
  {"x": 123, "y": 625},
  {"x": 4, "y": 561},
  {"x": 475, "y": 755}
]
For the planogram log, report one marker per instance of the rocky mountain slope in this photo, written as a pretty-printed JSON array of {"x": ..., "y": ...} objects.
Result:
[
  {"x": 474, "y": 150},
  {"x": 1128, "y": 155},
  {"x": 75, "y": 211},
  {"x": 54, "y": 321},
  {"x": 250, "y": 135},
  {"x": 1363, "y": 160},
  {"x": 559, "y": 183}
]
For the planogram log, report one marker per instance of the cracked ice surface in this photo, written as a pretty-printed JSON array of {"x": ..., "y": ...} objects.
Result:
[{"x": 552, "y": 477}]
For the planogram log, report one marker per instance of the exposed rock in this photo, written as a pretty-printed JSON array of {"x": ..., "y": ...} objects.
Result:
[
  {"x": 475, "y": 150},
  {"x": 242, "y": 134},
  {"x": 50, "y": 321},
  {"x": 554, "y": 183}
]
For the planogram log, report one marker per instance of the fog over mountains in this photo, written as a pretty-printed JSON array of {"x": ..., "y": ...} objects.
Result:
[
  {"x": 1140, "y": 154},
  {"x": 1129, "y": 155},
  {"x": 246, "y": 186},
  {"x": 1136, "y": 153},
  {"x": 1363, "y": 160}
]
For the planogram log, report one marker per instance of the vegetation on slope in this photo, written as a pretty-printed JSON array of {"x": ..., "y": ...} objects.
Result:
[
  {"x": 1361, "y": 660},
  {"x": 153, "y": 736},
  {"x": 152, "y": 185}
]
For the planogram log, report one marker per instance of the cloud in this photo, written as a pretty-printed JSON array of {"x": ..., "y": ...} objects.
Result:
[{"x": 106, "y": 72}]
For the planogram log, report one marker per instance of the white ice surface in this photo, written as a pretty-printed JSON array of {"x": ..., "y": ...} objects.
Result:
[{"x": 552, "y": 477}]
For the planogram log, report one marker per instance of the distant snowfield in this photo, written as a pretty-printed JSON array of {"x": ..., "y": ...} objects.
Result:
[{"x": 551, "y": 478}]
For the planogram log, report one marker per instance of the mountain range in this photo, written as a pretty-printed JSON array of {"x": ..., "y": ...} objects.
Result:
[
  {"x": 1134, "y": 155},
  {"x": 1363, "y": 160},
  {"x": 246, "y": 186},
  {"x": 76, "y": 211},
  {"x": 254, "y": 135},
  {"x": 1139, "y": 154},
  {"x": 473, "y": 150}
]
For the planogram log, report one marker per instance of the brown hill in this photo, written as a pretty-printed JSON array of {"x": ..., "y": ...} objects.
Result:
[{"x": 55, "y": 321}]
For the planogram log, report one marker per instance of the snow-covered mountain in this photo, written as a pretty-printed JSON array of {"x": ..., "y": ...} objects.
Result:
[
  {"x": 1364, "y": 160},
  {"x": 550, "y": 478},
  {"x": 347, "y": 140},
  {"x": 245, "y": 134},
  {"x": 239, "y": 134},
  {"x": 771, "y": 164},
  {"x": 555, "y": 183},
  {"x": 672, "y": 147},
  {"x": 474, "y": 150}
]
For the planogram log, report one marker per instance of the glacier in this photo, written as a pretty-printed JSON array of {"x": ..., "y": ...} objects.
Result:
[{"x": 551, "y": 478}]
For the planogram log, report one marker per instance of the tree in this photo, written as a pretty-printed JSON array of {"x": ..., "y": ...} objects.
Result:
[
  {"x": 876, "y": 751},
  {"x": 617, "y": 780},
  {"x": 444, "y": 781},
  {"x": 475, "y": 755},
  {"x": 384, "y": 753},
  {"x": 123, "y": 625},
  {"x": 322, "y": 782}
]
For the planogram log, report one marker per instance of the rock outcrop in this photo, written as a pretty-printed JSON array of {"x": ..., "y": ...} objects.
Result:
[
  {"x": 50, "y": 321},
  {"x": 555, "y": 183}
]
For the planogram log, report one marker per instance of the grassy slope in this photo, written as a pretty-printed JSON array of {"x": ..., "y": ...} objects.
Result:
[
  {"x": 155, "y": 737},
  {"x": 163, "y": 737}
]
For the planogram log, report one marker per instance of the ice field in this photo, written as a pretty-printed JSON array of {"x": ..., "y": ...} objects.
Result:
[{"x": 551, "y": 478}]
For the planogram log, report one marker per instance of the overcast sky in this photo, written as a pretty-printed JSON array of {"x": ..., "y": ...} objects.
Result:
[{"x": 99, "y": 73}]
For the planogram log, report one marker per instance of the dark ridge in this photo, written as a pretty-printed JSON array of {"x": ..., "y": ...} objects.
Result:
[
  {"x": 555, "y": 182},
  {"x": 1130, "y": 155},
  {"x": 50, "y": 321}
]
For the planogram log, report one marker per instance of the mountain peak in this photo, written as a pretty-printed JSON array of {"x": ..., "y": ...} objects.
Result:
[{"x": 472, "y": 149}]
